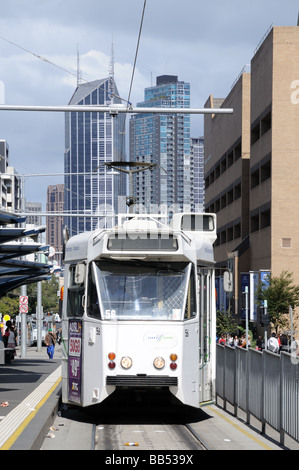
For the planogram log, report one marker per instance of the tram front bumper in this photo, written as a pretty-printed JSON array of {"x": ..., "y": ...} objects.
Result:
[{"x": 141, "y": 380}]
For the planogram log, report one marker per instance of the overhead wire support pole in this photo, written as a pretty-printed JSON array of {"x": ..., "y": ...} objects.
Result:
[{"x": 115, "y": 109}]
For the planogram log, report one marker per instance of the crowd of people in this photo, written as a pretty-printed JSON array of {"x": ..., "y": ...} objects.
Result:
[
  {"x": 276, "y": 343},
  {"x": 234, "y": 341}
]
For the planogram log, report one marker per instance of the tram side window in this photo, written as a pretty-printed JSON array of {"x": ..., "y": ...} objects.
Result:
[
  {"x": 75, "y": 296},
  {"x": 93, "y": 307},
  {"x": 190, "y": 309}
]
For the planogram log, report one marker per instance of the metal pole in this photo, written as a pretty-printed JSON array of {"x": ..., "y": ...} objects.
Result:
[
  {"x": 131, "y": 206},
  {"x": 23, "y": 288},
  {"x": 265, "y": 313},
  {"x": 115, "y": 109},
  {"x": 39, "y": 316},
  {"x": 291, "y": 316},
  {"x": 246, "y": 311}
]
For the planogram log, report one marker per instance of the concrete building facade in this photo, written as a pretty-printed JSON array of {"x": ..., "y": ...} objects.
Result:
[{"x": 252, "y": 164}]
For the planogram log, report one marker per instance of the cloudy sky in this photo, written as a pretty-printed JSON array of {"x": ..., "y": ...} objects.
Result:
[{"x": 204, "y": 43}]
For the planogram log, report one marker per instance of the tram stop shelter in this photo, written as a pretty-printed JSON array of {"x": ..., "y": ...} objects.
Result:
[{"x": 15, "y": 244}]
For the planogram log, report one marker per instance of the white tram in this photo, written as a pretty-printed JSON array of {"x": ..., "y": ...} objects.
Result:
[{"x": 139, "y": 309}]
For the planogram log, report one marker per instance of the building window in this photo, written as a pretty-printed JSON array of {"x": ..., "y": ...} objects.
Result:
[
  {"x": 255, "y": 133},
  {"x": 265, "y": 219},
  {"x": 266, "y": 123},
  {"x": 255, "y": 179},
  {"x": 266, "y": 171},
  {"x": 286, "y": 243},
  {"x": 254, "y": 223}
]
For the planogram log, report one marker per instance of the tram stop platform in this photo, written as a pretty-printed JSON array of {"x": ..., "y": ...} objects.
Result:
[
  {"x": 30, "y": 393},
  {"x": 30, "y": 390}
]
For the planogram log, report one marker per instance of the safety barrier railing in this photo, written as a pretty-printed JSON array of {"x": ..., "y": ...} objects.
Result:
[{"x": 262, "y": 384}]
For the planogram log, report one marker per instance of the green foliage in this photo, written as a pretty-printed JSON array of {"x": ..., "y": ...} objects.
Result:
[
  {"x": 50, "y": 300},
  {"x": 9, "y": 304},
  {"x": 225, "y": 323},
  {"x": 280, "y": 294}
]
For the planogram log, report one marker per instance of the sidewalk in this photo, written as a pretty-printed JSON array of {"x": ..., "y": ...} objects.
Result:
[
  {"x": 30, "y": 391},
  {"x": 29, "y": 396}
]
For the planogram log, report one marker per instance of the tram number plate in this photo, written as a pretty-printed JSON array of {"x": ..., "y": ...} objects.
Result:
[{"x": 75, "y": 347}]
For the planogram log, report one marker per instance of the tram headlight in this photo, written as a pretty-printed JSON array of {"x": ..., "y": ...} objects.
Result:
[
  {"x": 159, "y": 362},
  {"x": 126, "y": 362}
]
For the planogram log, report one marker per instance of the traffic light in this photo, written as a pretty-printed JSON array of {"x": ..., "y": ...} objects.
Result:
[{"x": 264, "y": 317}]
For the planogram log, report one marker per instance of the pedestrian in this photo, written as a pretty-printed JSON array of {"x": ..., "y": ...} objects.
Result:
[
  {"x": 10, "y": 341},
  {"x": 284, "y": 343},
  {"x": 50, "y": 340},
  {"x": 222, "y": 340},
  {"x": 243, "y": 345},
  {"x": 236, "y": 341},
  {"x": 294, "y": 347},
  {"x": 272, "y": 343},
  {"x": 259, "y": 343}
]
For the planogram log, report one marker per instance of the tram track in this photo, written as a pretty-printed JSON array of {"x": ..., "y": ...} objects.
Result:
[
  {"x": 134, "y": 423},
  {"x": 148, "y": 437}
]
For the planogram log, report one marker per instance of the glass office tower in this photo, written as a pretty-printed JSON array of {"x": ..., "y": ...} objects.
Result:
[
  {"x": 91, "y": 140},
  {"x": 163, "y": 139}
]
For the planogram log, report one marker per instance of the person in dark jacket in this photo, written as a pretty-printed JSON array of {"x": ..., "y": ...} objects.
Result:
[{"x": 50, "y": 340}]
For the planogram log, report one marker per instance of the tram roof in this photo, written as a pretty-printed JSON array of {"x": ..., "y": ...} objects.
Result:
[{"x": 196, "y": 230}]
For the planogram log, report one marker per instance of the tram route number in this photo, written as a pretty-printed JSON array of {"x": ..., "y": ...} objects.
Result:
[
  {"x": 75, "y": 347},
  {"x": 110, "y": 314}
]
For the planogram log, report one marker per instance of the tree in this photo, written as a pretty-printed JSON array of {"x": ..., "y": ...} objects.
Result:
[
  {"x": 50, "y": 300},
  {"x": 9, "y": 305},
  {"x": 280, "y": 294},
  {"x": 225, "y": 323}
]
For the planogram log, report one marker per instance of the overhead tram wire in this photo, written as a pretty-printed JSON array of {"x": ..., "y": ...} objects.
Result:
[
  {"x": 82, "y": 79},
  {"x": 40, "y": 57},
  {"x": 132, "y": 77}
]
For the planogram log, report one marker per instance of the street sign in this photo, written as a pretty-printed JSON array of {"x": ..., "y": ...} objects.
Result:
[
  {"x": 228, "y": 281},
  {"x": 23, "y": 306}
]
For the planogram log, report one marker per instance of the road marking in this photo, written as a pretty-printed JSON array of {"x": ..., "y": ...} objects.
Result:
[
  {"x": 240, "y": 429},
  {"x": 12, "y": 426}
]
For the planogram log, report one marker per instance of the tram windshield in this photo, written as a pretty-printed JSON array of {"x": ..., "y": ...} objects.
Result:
[{"x": 137, "y": 290}]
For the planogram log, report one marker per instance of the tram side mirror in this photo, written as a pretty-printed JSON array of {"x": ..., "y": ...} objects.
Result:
[{"x": 80, "y": 273}]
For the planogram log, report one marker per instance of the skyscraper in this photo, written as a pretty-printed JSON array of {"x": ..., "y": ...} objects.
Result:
[
  {"x": 197, "y": 174},
  {"x": 163, "y": 139},
  {"x": 91, "y": 140},
  {"x": 54, "y": 231}
]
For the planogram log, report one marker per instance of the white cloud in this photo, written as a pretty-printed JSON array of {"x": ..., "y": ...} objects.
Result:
[{"x": 204, "y": 43}]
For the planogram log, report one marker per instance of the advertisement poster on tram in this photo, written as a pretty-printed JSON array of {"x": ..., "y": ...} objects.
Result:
[{"x": 75, "y": 360}]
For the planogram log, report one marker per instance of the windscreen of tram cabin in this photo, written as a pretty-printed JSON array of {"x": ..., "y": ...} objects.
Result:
[{"x": 137, "y": 290}]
